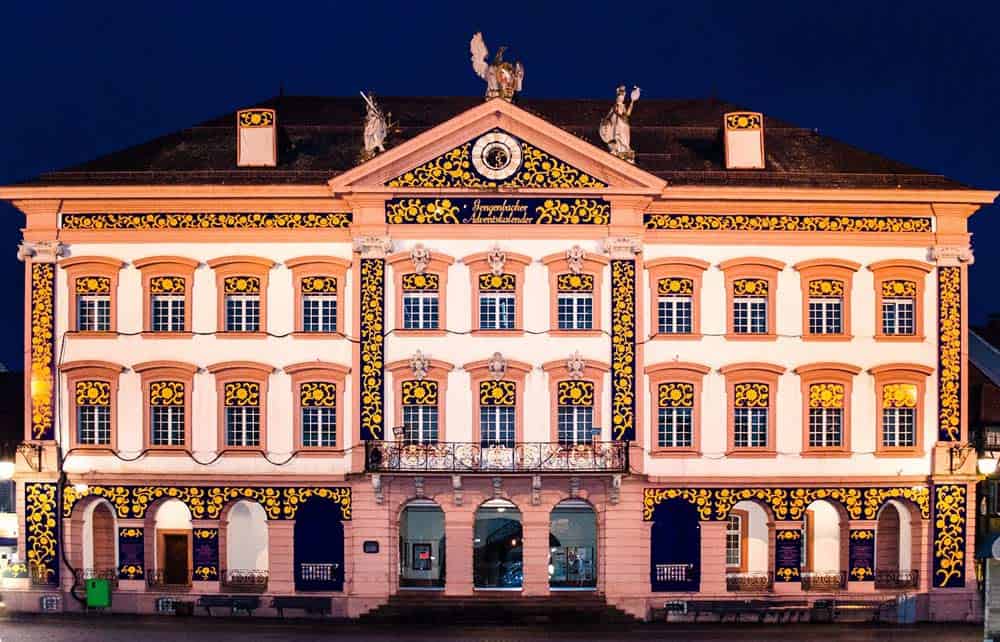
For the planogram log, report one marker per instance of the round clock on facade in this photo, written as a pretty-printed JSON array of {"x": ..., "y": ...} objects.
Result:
[{"x": 496, "y": 155}]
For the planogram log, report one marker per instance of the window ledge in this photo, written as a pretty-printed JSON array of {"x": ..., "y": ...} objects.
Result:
[
  {"x": 762, "y": 453},
  {"x": 240, "y": 335},
  {"x": 667, "y": 453},
  {"x": 900, "y": 338},
  {"x": 899, "y": 452},
  {"x": 93, "y": 334},
  {"x": 319, "y": 451},
  {"x": 739, "y": 336},
  {"x": 832, "y": 453},
  {"x": 241, "y": 451},
  {"x": 676, "y": 336},
  {"x": 413, "y": 332},
  {"x": 331, "y": 336},
  {"x": 827, "y": 337},
  {"x": 151, "y": 334},
  {"x": 108, "y": 449},
  {"x": 557, "y": 332},
  {"x": 516, "y": 332},
  {"x": 171, "y": 451}
]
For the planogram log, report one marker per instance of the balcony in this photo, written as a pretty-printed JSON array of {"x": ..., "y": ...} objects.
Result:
[
  {"x": 897, "y": 580},
  {"x": 244, "y": 580},
  {"x": 749, "y": 582},
  {"x": 110, "y": 574},
  {"x": 490, "y": 459},
  {"x": 827, "y": 581}
]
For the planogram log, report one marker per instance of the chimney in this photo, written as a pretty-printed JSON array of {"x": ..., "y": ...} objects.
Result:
[
  {"x": 744, "y": 138},
  {"x": 256, "y": 138}
]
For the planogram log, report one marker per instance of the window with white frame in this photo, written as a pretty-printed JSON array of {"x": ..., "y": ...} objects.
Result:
[
  {"x": 93, "y": 304},
  {"x": 166, "y": 413},
  {"x": 750, "y": 301},
  {"x": 826, "y": 304},
  {"x": 242, "y": 299},
  {"x": 497, "y": 301},
  {"x": 93, "y": 412},
  {"x": 318, "y": 405},
  {"x": 166, "y": 303},
  {"x": 899, "y": 415},
  {"x": 674, "y": 305},
  {"x": 319, "y": 303},
  {"x": 675, "y": 409},
  {"x": 826, "y": 415},
  {"x": 575, "y": 301},
  {"x": 734, "y": 541},
  {"x": 898, "y": 307},
  {"x": 420, "y": 411},
  {"x": 750, "y": 415},
  {"x": 497, "y": 403},
  {"x": 242, "y": 414},
  {"x": 575, "y": 412},
  {"x": 421, "y": 306}
]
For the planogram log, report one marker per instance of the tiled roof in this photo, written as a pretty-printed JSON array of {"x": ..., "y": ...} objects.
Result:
[{"x": 679, "y": 141}]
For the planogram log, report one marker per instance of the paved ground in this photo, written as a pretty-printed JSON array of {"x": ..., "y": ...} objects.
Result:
[{"x": 161, "y": 629}]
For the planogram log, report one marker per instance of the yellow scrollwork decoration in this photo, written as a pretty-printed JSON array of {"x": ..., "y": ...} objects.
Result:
[
  {"x": 93, "y": 285},
  {"x": 675, "y": 286},
  {"x": 497, "y": 282},
  {"x": 93, "y": 393},
  {"x": 419, "y": 393},
  {"x": 786, "y": 223},
  {"x": 576, "y": 212},
  {"x": 241, "y": 285},
  {"x": 849, "y": 498},
  {"x": 318, "y": 394},
  {"x": 208, "y": 221},
  {"x": 166, "y": 393},
  {"x": 829, "y": 288},
  {"x": 575, "y": 393},
  {"x": 899, "y": 395},
  {"x": 372, "y": 346},
  {"x": 256, "y": 118},
  {"x": 775, "y": 498},
  {"x": 950, "y": 353},
  {"x": 826, "y": 395},
  {"x": 421, "y": 211},
  {"x": 743, "y": 120},
  {"x": 166, "y": 285},
  {"x": 899, "y": 288},
  {"x": 294, "y": 497},
  {"x": 750, "y": 287},
  {"x": 241, "y": 393},
  {"x": 41, "y": 536},
  {"x": 675, "y": 395},
  {"x": 497, "y": 393},
  {"x": 701, "y": 498},
  {"x": 623, "y": 357},
  {"x": 42, "y": 333},
  {"x": 130, "y": 532},
  {"x": 420, "y": 282},
  {"x": 949, "y": 535},
  {"x": 752, "y": 395},
  {"x": 575, "y": 282},
  {"x": 319, "y": 285}
]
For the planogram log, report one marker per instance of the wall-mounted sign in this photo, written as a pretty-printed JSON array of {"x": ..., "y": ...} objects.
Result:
[
  {"x": 498, "y": 211},
  {"x": 370, "y": 546}
]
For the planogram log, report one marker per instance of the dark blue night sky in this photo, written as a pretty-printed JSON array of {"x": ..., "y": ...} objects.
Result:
[{"x": 915, "y": 81}]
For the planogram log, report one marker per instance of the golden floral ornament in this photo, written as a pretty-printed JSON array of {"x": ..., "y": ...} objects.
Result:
[
  {"x": 372, "y": 346},
  {"x": 420, "y": 282},
  {"x": 241, "y": 285},
  {"x": 675, "y": 286},
  {"x": 899, "y": 395},
  {"x": 700, "y": 498},
  {"x": 294, "y": 497},
  {"x": 786, "y": 573},
  {"x": 675, "y": 395},
  {"x": 166, "y": 393},
  {"x": 789, "y": 535},
  {"x": 497, "y": 393},
  {"x": 727, "y": 498},
  {"x": 750, "y": 287},
  {"x": 166, "y": 285},
  {"x": 899, "y": 288},
  {"x": 41, "y": 534},
  {"x": 419, "y": 393},
  {"x": 950, "y": 358},
  {"x": 318, "y": 394},
  {"x": 786, "y": 223},
  {"x": 256, "y": 117},
  {"x": 752, "y": 395},
  {"x": 575, "y": 282},
  {"x": 576, "y": 212},
  {"x": 93, "y": 285},
  {"x": 421, "y": 211},
  {"x": 217, "y": 497},
  {"x": 93, "y": 393},
  {"x": 826, "y": 288},
  {"x": 849, "y": 498},
  {"x": 826, "y": 395},
  {"x": 130, "y": 533},
  {"x": 42, "y": 336},
  {"x": 497, "y": 282},
  {"x": 875, "y": 498},
  {"x": 949, "y": 535},
  {"x": 743, "y": 120},
  {"x": 117, "y": 496},
  {"x": 623, "y": 350},
  {"x": 208, "y": 221},
  {"x": 319, "y": 285},
  {"x": 241, "y": 393},
  {"x": 575, "y": 393}
]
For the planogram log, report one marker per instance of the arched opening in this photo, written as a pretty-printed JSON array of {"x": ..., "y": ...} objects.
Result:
[
  {"x": 573, "y": 546},
  {"x": 100, "y": 541},
  {"x": 319, "y": 546},
  {"x": 421, "y": 545},
  {"x": 822, "y": 551},
  {"x": 497, "y": 546},
  {"x": 675, "y": 549},
  {"x": 173, "y": 543},
  {"x": 894, "y": 566},
  {"x": 246, "y": 547},
  {"x": 748, "y": 538}
]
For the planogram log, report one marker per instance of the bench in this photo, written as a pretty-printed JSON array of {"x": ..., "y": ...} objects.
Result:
[
  {"x": 842, "y": 607},
  {"x": 782, "y": 610},
  {"x": 233, "y": 602},
  {"x": 318, "y": 605}
]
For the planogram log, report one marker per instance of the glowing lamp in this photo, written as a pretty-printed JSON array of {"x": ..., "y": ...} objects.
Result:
[
  {"x": 987, "y": 465},
  {"x": 6, "y": 469}
]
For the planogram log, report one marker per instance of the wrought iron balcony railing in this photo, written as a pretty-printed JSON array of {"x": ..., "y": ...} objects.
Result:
[
  {"x": 525, "y": 457},
  {"x": 110, "y": 574},
  {"x": 244, "y": 580},
  {"x": 749, "y": 582},
  {"x": 824, "y": 581},
  {"x": 897, "y": 579}
]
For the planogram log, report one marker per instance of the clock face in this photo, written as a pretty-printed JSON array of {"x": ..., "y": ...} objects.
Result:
[{"x": 496, "y": 156}]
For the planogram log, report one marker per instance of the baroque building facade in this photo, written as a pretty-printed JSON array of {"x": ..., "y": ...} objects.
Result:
[{"x": 495, "y": 358}]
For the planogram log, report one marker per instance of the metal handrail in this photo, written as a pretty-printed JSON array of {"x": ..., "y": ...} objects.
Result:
[
  {"x": 824, "y": 580},
  {"x": 896, "y": 579},
  {"x": 476, "y": 457},
  {"x": 754, "y": 581},
  {"x": 250, "y": 580}
]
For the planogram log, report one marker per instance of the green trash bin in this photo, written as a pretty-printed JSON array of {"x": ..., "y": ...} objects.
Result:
[{"x": 98, "y": 593}]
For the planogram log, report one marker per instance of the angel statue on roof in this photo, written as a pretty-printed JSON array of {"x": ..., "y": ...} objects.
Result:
[
  {"x": 377, "y": 126},
  {"x": 503, "y": 79},
  {"x": 615, "y": 129}
]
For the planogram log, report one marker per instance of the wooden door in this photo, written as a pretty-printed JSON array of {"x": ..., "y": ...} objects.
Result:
[{"x": 175, "y": 558}]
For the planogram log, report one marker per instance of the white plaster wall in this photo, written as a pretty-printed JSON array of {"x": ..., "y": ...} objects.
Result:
[{"x": 826, "y": 537}]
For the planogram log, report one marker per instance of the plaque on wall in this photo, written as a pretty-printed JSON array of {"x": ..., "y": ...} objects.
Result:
[{"x": 370, "y": 546}]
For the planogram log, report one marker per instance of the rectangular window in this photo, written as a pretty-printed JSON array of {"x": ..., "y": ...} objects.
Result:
[
  {"x": 7, "y": 504},
  {"x": 93, "y": 424},
  {"x": 319, "y": 427},
  {"x": 496, "y": 311},
  {"x": 576, "y": 311},
  {"x": 826, "y": 427},
  {"x": 319, "y": 312},
  {"x": 420, "y": 311},
  {"x": 242, "y": 313},
  {"x": 674, "y": 428},
  {"x": 899, "y": 427},
  {"x": 825, "y": 316},
  {"x": 242, "y": 426},
  {"x": 750, "y": 428},
  {"x": 167, "y": 313},
  {"x": 897, "y": 316},
  {"x": 93, "y": 312},
  {"x": 166, "y": 425},
  {"x": 496, "y": 426},
  {"x": 575, "y": 424},
  {"x": 734, "y": 550},
  {"x": 750, "y": 315},
  {"x": 420, "y": 424},
  {"x": 673, "y": 315}
]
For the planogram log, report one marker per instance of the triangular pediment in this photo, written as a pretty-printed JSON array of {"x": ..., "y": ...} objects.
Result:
[{"x": 497, "y": 146}]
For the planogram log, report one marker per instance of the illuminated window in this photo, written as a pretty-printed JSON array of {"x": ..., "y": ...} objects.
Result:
[
  {"x": 899, "y": 415},
  {"x": 898, "y": 307},
  {"x": 93, "y": 412}
]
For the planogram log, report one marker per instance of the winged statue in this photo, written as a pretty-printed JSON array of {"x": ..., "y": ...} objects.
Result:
[
  {"x": 377, "y": 126},
  {"x": 503, "y": 79},
  {"x": 615, "y": 129}
]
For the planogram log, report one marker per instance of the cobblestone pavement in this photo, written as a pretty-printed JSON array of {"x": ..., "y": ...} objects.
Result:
[{"x": 160, "y": 629}]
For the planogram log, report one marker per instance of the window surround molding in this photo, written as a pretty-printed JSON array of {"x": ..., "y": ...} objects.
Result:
[
  {"x": 80, "y": 266},
  {"x": 514, "y": 263},
  {"x": 517, "y": 372},
  {"x": 153, "y": 371},
  {"x": 158, "y": 266},
  {"x": 752, "y": 372},
  {"x": 908, "y": 373},
  {"x": 324, "y": 371},
  {"x": 827, "y": 372},
  {"x": 438, "y": 264},
  {"x": 681, "y": 372},
  {"x": 437, "y": 371},
  {"x": 752, "y": 267},
  {"x": 230, "y": 371},
  {"x": 904, "y": 270},
  {"x": 85, "y": 370},
  {"x": 832, "y": 269},
  {"x": 226, "y": 266},
  {"x": 593, "y": 264},
  {"x": 593, "y": 371},
  {"x": 675, "y": 266},
  {"x": 316, "y": 265}
]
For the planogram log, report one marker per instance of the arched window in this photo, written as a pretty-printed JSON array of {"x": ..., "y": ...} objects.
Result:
[
  {"x": 421, "y": 545},
  {"x": 497, "y": 546},
  {"x": 573, "y": 545},
  {"x": 246, "y": 547},
  {"x": 824, "y": 546}
]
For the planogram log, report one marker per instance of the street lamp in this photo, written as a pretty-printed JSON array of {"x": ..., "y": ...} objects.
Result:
[
  {"x": 6, "y": 470},
  {"x": 987, "y": 465}
]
